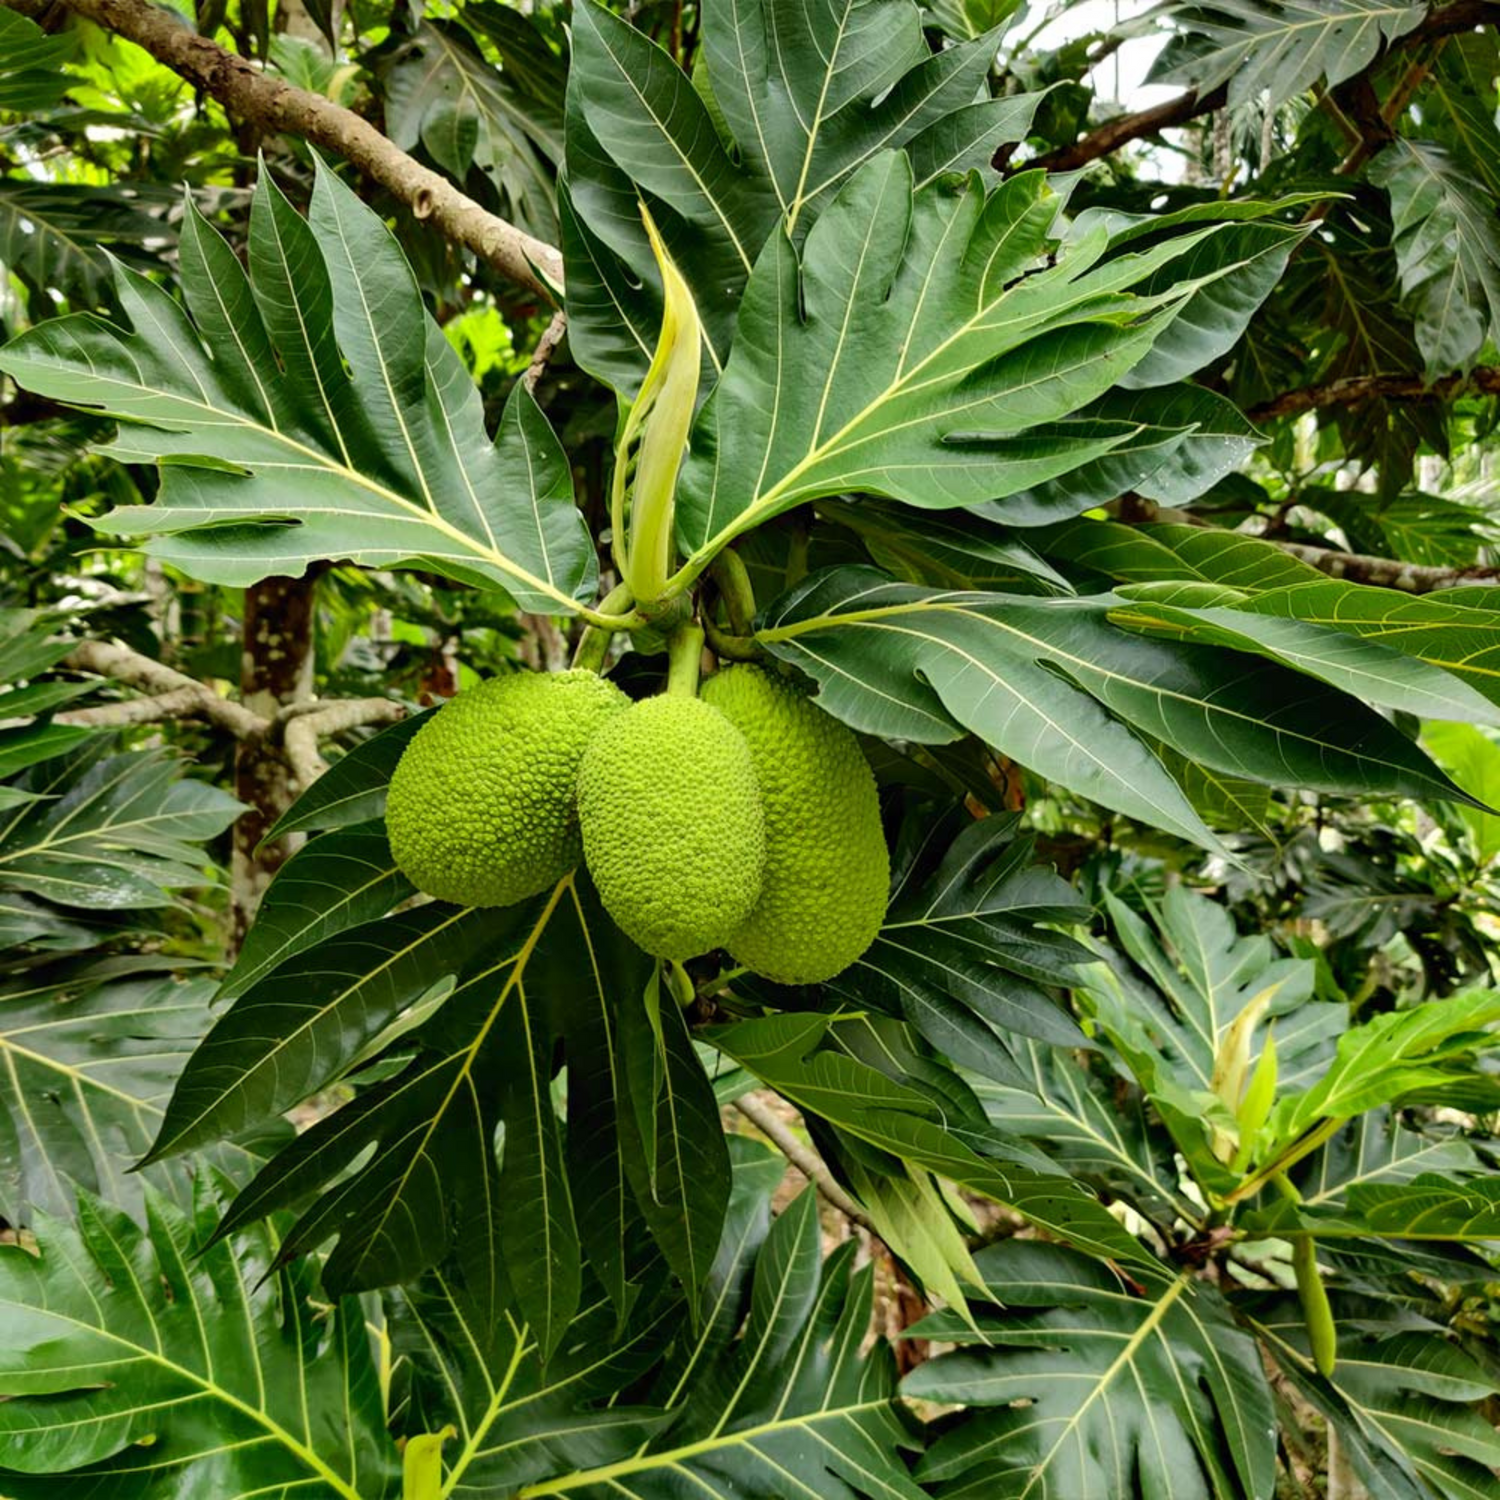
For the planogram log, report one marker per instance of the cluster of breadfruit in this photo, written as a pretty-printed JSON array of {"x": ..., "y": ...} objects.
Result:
[{"x": 744, "y": 818}]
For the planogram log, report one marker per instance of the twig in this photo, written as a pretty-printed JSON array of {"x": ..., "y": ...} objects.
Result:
[
  {"x": 804, "y": 1158},
  {"x": 276, "y": 106},
  {"x": 1464, "y": 15},
  {"x": 1123, "y": 129},
  {"x": 127, "y": 666},
  {"x": 303, "y": 730},
  {"x": 1353, "y": 567},
  {"x": 546, "y": 347},
  {"x": 1356, "y": 388},
  {"x": 1388, "y": 572}
]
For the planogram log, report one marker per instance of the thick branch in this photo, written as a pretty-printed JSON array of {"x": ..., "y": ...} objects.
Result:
[
  {"x": 1357, "y": 388},
  {"x": 804, "y": 1158},
  {"x": 127, "y": 666},
  {"x": 1463, "y": 15},
  {"x": 302, "y": 731},
  {"x": 183, "y": 703},
  {"x": 252, "y": 95}
]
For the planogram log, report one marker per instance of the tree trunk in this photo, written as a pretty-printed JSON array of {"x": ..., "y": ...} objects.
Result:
[{"x": 276, "y": 669}]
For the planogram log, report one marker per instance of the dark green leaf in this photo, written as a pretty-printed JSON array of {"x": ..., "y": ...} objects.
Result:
[
  {"x": 152, "y": 1366},
  {"x": 898, "y": 353},
  {"x": 333, "y": 420},
  {"x": 31, "y": 76},
  {"x": 1078, "y": 1387},
  {"x": 296, "y": 1029},
  {"x": 338, "y": 881},
  {"x": 86, "y": 1063},
  {"x": 963, "y": 954},
  {"x": 1448, "y": 248},
  {"x": 670, "y": 1138}
]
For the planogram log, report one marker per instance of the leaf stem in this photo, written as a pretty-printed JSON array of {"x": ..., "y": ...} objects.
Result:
[
  {"x": 1304, "y": 1146},
  {"x": 728, "y": 570},
  {"x": 593, "y": 644}
]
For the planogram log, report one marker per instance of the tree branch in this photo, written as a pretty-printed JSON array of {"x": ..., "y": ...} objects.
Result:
[
  {"x": 127, "y": 666},
  {"x": 276, "y": 106},
  {"x": 1463, "y": 15},
  {"x": 1387, "y": 572},
  {"x": 546, "y": 347},
  {"x": 1357, "y": 388},
  {"x": 1353, "y": 567},
  {"x": 183, "y": 703},
  {"x": 1123, "y": 129},
  {"x": 301, "y": 731},
  {"x": 804, "y": 1158}
]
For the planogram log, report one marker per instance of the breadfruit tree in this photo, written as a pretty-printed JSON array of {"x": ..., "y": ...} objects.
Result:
[{"x": 741, "y": 583}]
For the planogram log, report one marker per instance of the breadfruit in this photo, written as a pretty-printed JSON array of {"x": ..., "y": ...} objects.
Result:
[
  {"x": 482, "y": 807},
  {"x": 672, "y": 828},
  {"x": 828, "y": 874}
]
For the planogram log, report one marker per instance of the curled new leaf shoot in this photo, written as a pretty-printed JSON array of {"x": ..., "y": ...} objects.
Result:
[{"x": 654, "y": 438}]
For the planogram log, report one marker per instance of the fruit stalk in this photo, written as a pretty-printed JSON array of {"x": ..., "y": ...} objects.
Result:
[{"x": 684, "y": 660}]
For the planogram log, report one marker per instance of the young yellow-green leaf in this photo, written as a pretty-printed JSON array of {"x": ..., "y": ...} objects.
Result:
[
  {"x": 1424, "y": 1054},
  {"x": 653, "y": 440}
]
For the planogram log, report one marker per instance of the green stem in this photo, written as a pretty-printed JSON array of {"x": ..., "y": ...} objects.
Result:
[
  {"x": 684, "y": 658},
  {"x": 1303, "y": 1146},
  {"x": 733, "y": 578},
  {"x": 734, "y": 647},
  {"x": 593, "y": 644}
]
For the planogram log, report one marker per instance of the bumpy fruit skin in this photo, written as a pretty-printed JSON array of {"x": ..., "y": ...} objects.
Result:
[
  {"x": 828, "y": 872},
  {"x": 481, "y": 809},
  {"x": 672, "y": 827}
]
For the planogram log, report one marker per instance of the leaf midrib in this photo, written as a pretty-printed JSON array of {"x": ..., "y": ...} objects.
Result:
[{"x": 324, "y": 463}]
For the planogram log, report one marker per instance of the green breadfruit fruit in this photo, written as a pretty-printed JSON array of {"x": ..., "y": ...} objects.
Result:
[
  {"x": 828, "y": 873},
  {"x": 672, "y": 827},
  {"x": 481, "y": 809}
]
